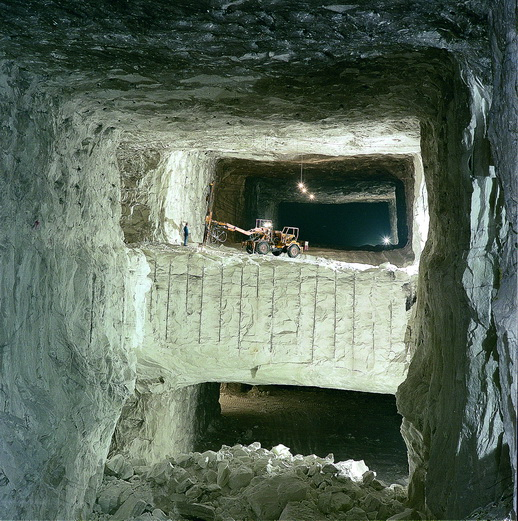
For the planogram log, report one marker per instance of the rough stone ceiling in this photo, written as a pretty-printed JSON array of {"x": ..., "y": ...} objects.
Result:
[
  {"x": 243, "y": 36},
  {"x": 176, "y": 66}
]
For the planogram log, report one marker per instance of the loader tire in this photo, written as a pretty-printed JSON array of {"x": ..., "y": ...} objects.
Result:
[
  {"x": 276, "y": 252},
  {"x": 250, "y": 248},
  {"x": 262, "y": 247},
  {"x": 293, "y": 251}
]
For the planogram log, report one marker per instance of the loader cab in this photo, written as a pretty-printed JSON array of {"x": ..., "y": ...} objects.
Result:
[{"x": 290, "y": 230}]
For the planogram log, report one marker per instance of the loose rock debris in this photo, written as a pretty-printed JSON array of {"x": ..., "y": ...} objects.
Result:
[{"x": 247, "y": 483}]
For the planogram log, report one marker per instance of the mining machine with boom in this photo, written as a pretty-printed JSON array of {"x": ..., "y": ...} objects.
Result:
[{"x": 262, "y": 239}]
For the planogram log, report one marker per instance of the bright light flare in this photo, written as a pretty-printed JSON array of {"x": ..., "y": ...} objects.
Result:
[
  {"x": 301, "y": 186},
  {"x": 386, "y": 241},
  {"x": 311, "y": 196},
  {"x": 304, "y": 190}
]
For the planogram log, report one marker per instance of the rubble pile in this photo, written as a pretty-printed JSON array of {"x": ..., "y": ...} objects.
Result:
[{"x": 247, "y": 483}]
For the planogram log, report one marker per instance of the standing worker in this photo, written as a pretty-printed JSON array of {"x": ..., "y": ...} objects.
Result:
[{"x": 185, "y": 234}]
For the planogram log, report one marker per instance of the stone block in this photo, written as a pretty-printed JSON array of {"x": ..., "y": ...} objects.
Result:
[
  {"x": 302, "y": 471},
  {"x": 303, "y": 510},
  {"x": 370, "y": 502},
  {"x": 317, "y": 479},
  {"x": 389, "y": 509},
  {"x": 269, "y": 497},
  {"x": 132, "y": 507},
  {"x": 399, "y": 492},
  {"x": 159, "y": 514},
  {"x": 356, "y": 514},
  {"x": 281, "y": 451},
  {"x": 329, "y": 502},
  {"x": 194, "y": 492},
  {"x": 179, "y": 473},
  {"x": 329, "y": 468},
  {"x": 352, "y": 469},
  {"x": 113, "y": 495},
  {"x": 378, "y": 485},
  {"x": 314, "y": 469},
  {"x": 196, "y": 511},
  {"x": 223, "y": 473},
  {"x": 183, "y": 460},
  {"x": 206, "y": 459},
  {"x": 185, "y": 485},
  {"x": 160, "y": 473},
  {"x": 119, "y": 467},
  {"x": 368, "y": 477},
  {"x": 210, "y": 476},
  {"x": 240, "y": 477}
]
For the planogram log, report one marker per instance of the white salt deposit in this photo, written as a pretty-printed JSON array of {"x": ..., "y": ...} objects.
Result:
[{"x": 247, "y": 482}]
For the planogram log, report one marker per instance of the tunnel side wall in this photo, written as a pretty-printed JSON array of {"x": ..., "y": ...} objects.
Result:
[
  {"x": 451, "y": 400},
  {"x": 161, "y": 191},
  {"x": 159, "y": 422},
  {"x": 503, "y": 134},
  {"x": 66, "y": 362}
]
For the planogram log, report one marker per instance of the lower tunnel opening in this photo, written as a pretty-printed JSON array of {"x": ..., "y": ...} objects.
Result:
[{"x": 313, "y": 420}]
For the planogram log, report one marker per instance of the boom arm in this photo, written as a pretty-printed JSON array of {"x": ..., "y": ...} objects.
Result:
[{"x": 231, "y": 227}]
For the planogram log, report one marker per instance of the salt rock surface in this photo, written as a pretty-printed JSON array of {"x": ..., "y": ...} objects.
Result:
[
  {"x": 248, "y": 482},
  {"x": 223, "y": 316}
]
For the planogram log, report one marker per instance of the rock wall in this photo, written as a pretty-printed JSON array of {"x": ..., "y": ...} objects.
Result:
[
  {"x": 220, "y": 316},
  {"x": 503, "y": 134},
  {"x": 451, "y": 400},
  {"x": 159, "y": 421},
  {"x": 163, "y": 189},
  {"x": 66, "y": 363}
]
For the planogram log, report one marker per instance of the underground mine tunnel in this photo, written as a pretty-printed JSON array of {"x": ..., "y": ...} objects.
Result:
[
  {"x": 116, "y": 118},
  {"x": 338, "y": 203},
  {"x": 312, "y": 420}
]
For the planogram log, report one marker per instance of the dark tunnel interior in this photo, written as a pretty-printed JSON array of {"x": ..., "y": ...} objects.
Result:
[
  {"x": 313, "y": 420},
  {"x": 340, "y": 226}
]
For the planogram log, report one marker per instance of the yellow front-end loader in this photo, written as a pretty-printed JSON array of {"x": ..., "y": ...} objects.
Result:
[{"x": 262, "y": 239}]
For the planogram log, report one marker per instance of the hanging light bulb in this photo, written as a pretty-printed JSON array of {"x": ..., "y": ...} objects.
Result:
[
  {"x": 304, "y": 190},
  {"x": 301, "y": 186},
  {"x": 311, "y": 196}
]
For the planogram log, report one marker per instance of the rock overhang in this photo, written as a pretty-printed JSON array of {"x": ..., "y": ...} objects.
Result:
[{"x": 217, "y": 315}]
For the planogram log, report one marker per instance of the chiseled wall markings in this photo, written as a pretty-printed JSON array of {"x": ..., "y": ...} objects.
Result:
[{"x": 278, "y": 311}]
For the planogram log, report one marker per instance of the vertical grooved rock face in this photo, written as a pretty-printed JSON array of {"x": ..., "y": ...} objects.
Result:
[
  {"x": 451, "y": 401},
  {"x": 222, "y": 316}
]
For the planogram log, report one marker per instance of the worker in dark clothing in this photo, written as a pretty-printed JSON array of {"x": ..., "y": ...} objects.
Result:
[{"x": 185, "y": 234}]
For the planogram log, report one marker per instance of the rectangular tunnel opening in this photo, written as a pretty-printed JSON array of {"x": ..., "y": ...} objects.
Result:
[
  {"x": 313, "y": 420},
  {"x": 356, "y": 204}
]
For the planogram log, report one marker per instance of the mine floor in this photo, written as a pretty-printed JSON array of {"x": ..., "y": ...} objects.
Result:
[
  {"x": 399, "y": 257},
  {"x": 310, "y": 420}
]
